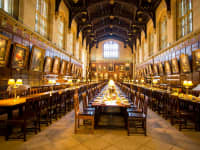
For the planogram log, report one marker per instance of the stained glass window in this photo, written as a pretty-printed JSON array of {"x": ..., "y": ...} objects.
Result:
[
  {"x": 60, "y": 33},
  {"x": 7, "y": 5},
  {"x": 151, "y": 43},
  {"x": 184, "y": 17},
  {"x": 41, "y": 19},
  {"x": 111, "y": 50},
  {"x": 163, "y": 32}
]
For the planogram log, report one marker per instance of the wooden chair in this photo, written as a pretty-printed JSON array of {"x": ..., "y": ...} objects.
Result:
[
  {"x": 28, "y": 117},
  {"x": 85, "y": 103},
  {"x": 138, "y": 120},
  {"x": 85, "y": 115}
]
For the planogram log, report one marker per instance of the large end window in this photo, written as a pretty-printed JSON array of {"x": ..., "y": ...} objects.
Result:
[{"x": 111, "y": 50}]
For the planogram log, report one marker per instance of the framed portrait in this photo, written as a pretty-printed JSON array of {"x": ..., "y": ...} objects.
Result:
[
  {"x": 175, "y": 67},
  {"x": 56, "y": 65},
  {"x": 160, "y": 67},
  {"x": 63, "y": 67},
  {"x": 127, "y": 67},
  {"x": 116, "y": 67},
  {"x": 155, "y": 69},
  {"x": 72, "y": 68},
  {"x": 68, "y": 67},
  {"x": 105, "y": 75},
  {"x": 99, "y": 68},
  {"x": 104, "y": 68},
  {"x": 184, "y": 63},
  {"x": 93, "y": 67},
  {"x": 48, "y": 64},
  {"x": 37, "y": 59},
  {"x": 5, "y": 44},
  {"x": 121, "y": 68},
  {"x": 19, "y": 56},
  {"x": 145, "y": 71},
  {"x": 111, "y": 67},
  {"x": 167, "y": 68},
  {"x": 150, "y": 69},
  {"x": 196, "y": 60}
]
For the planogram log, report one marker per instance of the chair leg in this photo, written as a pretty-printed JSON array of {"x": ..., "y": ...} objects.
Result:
[{"x": 145, "y": 127}]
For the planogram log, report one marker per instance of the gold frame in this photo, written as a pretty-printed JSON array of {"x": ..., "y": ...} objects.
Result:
[
  {"x": 7, "y": 50},
  {"x": 63, "y": 68},
  {"x": 26, "y": 50},
  {"x": 50, "y": 64},
  {"x": 175, "y": 67},
  {"x": 194, "y": 60},
  {"x": 168, "y": 70},
  {"x": 42, "y": 62},
  {"x": 185, "y": 63},
  {"x": 56, "y": 65}
]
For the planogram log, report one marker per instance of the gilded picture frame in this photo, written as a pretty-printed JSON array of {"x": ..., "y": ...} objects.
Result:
[
  {"x": 196, "y": 60},
  {"x": 127, "y": 67},
  {"x": 48, "y": 64},
  {"x": 122, "y": 68},
  {"x": 56, "y": 65},
  {"x": 160, "y": 68},
  {"x": 5, "y": 44},
  {"x": 19, "y": 56},
  {"x": 184, "y": 63},
  {"x": 68, "y": 67},
  {"x": 37, "y": 59},
  {"x": 155, "y": 69},
  {"x": 175, "y": 67},
  {"x": 167, "y": 68},
  {"x": 110, "y": 67},
  {"x": 63, "y": 67},
  {"x": 93, "y": 67}
]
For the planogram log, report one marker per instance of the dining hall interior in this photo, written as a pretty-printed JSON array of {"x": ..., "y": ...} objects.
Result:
[{"x": 99, "y": 74}]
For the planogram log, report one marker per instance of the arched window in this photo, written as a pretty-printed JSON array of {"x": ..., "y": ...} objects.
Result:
[
  {"x": 163, "y": 32},
  {"x": 7, "y": 5},
  {"x": 151, "y": 43},
  {"x": 110, "y": 50},
  {"x": 41, "y": 19},
  {"x": 184, "y": 17},
  {"x": 60, "y": 33}
]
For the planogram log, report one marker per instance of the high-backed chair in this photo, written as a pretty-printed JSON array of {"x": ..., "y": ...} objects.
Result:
[
  {"x": 84, "y": 115},
  {"x": 138, "y": 120}
]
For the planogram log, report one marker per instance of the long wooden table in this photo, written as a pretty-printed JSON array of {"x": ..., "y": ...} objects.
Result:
[
  {"x": 183, "y": 98},
  {"x": 102, "y": 101}
]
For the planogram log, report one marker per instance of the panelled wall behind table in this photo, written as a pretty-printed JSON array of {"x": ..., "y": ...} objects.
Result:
[
  {"x": 117, "y": 71},
  {"x": 18, "y": 34},
  {"x": 187, "y": 46}
]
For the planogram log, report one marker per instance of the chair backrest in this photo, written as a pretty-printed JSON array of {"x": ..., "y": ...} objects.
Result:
[
  {"x": 145, "y": 104},
  {"x": 76, "y": 104},
  {"x": 85, "y": 102},
  {"x": 31, "y": 107}
]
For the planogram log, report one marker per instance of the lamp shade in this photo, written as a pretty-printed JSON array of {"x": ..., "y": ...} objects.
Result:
[
  {"x": 11, "y": 82},
  {"x": 19, "y": 82}
]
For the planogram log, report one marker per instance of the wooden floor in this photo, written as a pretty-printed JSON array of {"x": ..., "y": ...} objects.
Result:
[{"x": 60, "y": 136}]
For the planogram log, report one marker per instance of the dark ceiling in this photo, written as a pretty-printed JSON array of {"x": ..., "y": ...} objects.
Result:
[{"x": 118, "y": 19}]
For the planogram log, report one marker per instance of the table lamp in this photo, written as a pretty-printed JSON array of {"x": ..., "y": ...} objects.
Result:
[
  {"x": 15, "y": 85},
  {"x": 187, "y": 85},
  {"x": 197, "y": 88},
  {"x": 142, "y": 81}
]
